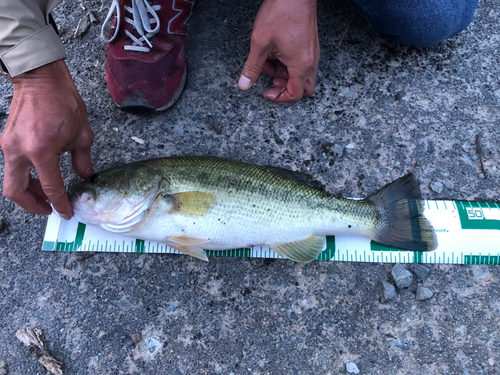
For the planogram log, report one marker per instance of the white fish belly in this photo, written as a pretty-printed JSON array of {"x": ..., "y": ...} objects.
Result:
[{"x": 232, "y": 226}]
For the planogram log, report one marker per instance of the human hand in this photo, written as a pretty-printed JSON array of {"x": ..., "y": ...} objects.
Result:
[
  {"x": 47, "y": 118},
  {"x": 284, "y": 30}
]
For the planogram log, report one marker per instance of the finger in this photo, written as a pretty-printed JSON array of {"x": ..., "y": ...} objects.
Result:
[
  {"x": 81, "y": 162},
  {"x": 36, "y": 189},
  {"x": 80, "y": 158},
  {"x": 80, "y": 155},
  {"x": 275, "y": 71},
  {"x": 293, "y": 92},
  {"x": 253, "y": 66},
  {"x": 310, "y": 86},
  {"x": 19, "y": 187},
  {"x": 280, "y": 83},
  {"x": 53, "y": 185}
]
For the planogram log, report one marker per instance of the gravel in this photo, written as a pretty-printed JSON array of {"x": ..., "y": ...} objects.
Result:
[
  {"x": 437, "y": 187},
  {"x": 338, "y": 150},
  {"x": 423, "y": 293},
  {"x": 420, "y": 270},
  {"x": 402, "y": 277},
  {"x": 387, "y": 292},
  {"x": 352, "y": 368}
]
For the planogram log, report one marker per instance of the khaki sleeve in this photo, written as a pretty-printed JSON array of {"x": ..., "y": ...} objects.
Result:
[{"x": 27, "y": 39}]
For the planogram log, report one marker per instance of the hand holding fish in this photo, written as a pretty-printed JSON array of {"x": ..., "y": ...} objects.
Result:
[
  {"x": 286, "y": 31},
  {"x": 47, "y": 118}
]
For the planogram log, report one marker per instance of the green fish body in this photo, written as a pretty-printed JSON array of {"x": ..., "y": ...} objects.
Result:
[{"x": 193, "y": 203}]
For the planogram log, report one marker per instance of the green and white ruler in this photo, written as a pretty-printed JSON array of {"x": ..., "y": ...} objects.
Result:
[{"x": 467, "y": 233}]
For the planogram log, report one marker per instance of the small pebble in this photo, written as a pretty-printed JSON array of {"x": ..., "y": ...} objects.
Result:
[
  {"x": 479, "y": 271},
  {"x": 138, "y": 140},
  {"x": 420, "y": 270},
  {"x": 294, "y": 316},
  {"x": 437, "y": 187},
  {"x": 402, "y": 277},
  {"x": 350, "y": 146},
  {"x": 423, "y": 293},
  {"x": 136, "y": 337},
  {"x": 82, "y": 27},
  {"x": 387, "y": 292},
  {"x": 467, "y": 159},
  {"x": 482, "y": 176},
  {"x": 3, "y": 368},
  {"x": 115, "y": 129},
  {"x": 92, "y": 17},
  {"x": 352, "y": 368},
  {"x": 405, "y": 345},
  {"x": 338, "y": 149},
  {"x": 2, "y": 225},
  {"x": 84, "y": 255}
]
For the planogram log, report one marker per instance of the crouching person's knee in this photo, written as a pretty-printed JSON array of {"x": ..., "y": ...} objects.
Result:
[{"x": 418, "y": 23}]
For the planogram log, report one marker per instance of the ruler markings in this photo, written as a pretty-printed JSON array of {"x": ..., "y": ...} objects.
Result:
[{"x": 475, "y": 226}]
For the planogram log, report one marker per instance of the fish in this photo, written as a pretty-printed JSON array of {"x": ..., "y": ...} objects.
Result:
[{"x": 198, "y": 203}]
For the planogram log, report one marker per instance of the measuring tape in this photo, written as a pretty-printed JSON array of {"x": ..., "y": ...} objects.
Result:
[{"x": 467, "y": 233}]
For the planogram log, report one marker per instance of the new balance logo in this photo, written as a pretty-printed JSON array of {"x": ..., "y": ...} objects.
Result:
[{"x": 178, "y": 25}]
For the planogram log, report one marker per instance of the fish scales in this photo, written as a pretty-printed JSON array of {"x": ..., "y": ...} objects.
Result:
[{"x": 252, "y": 194}]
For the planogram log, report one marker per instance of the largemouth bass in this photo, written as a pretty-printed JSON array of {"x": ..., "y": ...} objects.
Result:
[{"x": 193, "y": 203}]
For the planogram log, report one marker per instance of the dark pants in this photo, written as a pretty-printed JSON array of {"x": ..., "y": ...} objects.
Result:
[{"x": 418, "y": 23}]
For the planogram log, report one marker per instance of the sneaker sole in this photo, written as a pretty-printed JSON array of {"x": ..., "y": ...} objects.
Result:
[
  {"x": 145, "y": 109},
  {"x": 176, "y": 95}
]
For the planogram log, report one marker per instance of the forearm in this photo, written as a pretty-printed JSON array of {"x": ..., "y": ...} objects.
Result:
[{"x": 27, "y": 39}]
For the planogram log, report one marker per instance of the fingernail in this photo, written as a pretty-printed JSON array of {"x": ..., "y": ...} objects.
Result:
[
  {"x": 269, "y": 96},
  {"x": 64, "y": 216},
  {"x": 244, "y": 83}
]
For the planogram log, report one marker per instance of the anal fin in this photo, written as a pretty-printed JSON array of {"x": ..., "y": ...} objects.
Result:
[
  {"x": 301, "y": 251},
  {"x": 189, "y": 246}
]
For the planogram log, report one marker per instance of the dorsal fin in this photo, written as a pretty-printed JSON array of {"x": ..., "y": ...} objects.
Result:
[{"x": 301, "y": 177}]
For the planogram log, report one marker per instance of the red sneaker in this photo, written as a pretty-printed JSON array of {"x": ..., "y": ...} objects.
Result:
[{"x": 145, "y": 61}]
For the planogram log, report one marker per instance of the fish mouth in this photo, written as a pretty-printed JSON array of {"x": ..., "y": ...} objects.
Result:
[
  {"x": 77, "y": 197},
  {"x": 86, "y": 211},
  {"x": 121, "y": 215},
  {"x": 81, "y": 198}
]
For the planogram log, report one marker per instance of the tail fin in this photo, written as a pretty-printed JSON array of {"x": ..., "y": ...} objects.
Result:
[{"x": 402, "y": 223}]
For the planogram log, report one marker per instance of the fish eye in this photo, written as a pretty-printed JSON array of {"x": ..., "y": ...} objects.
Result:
[{"x": 94, "y": 178}]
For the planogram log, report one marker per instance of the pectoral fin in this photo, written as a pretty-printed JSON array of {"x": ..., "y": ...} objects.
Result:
[
  {"x": 301, "y": 251},
  {"x": 189, "y": 246},
  {"x": 194, "y": 203}
]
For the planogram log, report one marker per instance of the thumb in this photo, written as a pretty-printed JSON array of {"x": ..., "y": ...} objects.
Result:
[{"x": 253, "y": 66}]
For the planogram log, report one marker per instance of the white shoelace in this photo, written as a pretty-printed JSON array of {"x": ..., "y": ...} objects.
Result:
[{"x": 143, "y": 17}]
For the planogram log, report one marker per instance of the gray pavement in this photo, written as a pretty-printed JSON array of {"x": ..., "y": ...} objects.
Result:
[{"x": 401, "y": 109}]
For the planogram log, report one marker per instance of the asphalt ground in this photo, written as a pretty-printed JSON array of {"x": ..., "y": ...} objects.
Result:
[{"x": 400, "y": 109}]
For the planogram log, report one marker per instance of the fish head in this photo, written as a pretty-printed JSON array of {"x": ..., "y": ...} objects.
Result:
[{"x": 117, "y": 197}]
